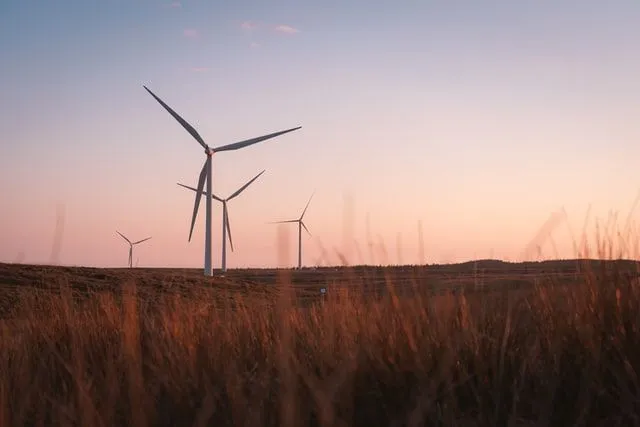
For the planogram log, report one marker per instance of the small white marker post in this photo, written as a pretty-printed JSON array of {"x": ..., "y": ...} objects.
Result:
[{"x": 323, "y": 291}]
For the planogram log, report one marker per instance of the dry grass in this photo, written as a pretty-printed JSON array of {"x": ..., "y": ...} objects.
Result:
[
  {"x": 560, "y": 355},
  {"x": 551, "y": 355}
]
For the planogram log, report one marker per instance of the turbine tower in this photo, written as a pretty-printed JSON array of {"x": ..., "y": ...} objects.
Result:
[
  {"x": 226, "y": 228},
  {"x": 206, "y": 174},
  {"x": 131, "y": 246},
  {"x": 300, "y": 226}
]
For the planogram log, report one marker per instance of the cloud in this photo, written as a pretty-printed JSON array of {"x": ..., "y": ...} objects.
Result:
[
  {"x": 286, "y": 29},
  {"x": 174, "y": 5},
  {"x": 190, "y": 33},
  {"x": 254, "y": 45},
  {"x": 199, "y": 69},
  {"x": 248, "y": 25}
]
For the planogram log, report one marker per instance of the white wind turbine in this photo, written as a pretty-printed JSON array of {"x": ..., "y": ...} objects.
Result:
[
  {"x": 300, "y": 226},
  {"x": 226, "y": 228},
  {"x": 206, "y": 174},
  {"x": 131, "y": 246}
]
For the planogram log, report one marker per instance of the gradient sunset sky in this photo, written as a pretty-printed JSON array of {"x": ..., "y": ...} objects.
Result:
[{"x": 478, "y": 118}]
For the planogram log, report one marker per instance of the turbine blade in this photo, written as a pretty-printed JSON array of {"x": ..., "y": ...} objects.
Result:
[
  {"x": 201, "y": 180},
  {"x": 122, "y": 235},
  {"x": 283, "y": 222},
  {"x": 244, "y": 186},
  {"x": 305, "y": 208},
  {"x": 203, "y": 192},
  {"x": 305, "y": 227},
  {"x": 140, "y": 241},
  {"x": 180, "y": 120},
  {"x": 247, "y": 142},
  {"x": 228, "y": 227},
  {"x": 186, "y": 186}
]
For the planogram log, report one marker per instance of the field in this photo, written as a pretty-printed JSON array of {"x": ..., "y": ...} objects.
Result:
[{"x": 481, "y": 343}]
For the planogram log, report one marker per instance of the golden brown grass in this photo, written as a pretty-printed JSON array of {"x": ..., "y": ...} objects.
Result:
[
  {"x": 548, "y": 355},
  {"x": 556, "y": 355}
]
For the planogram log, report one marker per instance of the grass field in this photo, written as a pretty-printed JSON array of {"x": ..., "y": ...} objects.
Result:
[{"x": 482, "y": 343}]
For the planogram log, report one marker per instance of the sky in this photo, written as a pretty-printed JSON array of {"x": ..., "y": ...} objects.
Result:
[{"x": 477, "y": 120}]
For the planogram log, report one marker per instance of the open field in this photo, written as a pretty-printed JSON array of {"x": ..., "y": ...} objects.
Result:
[
  {"x": 483, "y": 275},
  {"x": 481, "y": 343}
]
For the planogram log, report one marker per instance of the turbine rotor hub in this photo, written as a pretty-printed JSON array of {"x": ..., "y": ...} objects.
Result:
[{"x": 208, "y": 151}]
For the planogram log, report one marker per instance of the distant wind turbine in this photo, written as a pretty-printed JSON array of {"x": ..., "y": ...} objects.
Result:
[
  {"x": 131, "y": 246},
  {"x": 300, "y": 226},
  {"x": 206, "y": 174},
  {"x": 226, "y": 228}
]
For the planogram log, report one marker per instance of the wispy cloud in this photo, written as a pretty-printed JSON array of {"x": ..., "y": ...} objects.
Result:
[
  {"x": 174, "y": 5},
  {"x": 286, "y": 29},
  {"x": 199, "y": 69},
  {"x": 254, "y": 45},
  {"x": 248, "y": 25},
  {"x": 190, "y": 33}
]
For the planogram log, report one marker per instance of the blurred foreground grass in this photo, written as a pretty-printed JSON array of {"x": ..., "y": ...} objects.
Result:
[{"x": 553, "y": 355}]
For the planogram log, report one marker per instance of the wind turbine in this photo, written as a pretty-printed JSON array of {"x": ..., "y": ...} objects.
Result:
[
  {"x": 300, "y": 226},
  {"x": 131, "y": 246},
  {"x": 206, "y": 174},
  {"x": 226, "y": 228}
]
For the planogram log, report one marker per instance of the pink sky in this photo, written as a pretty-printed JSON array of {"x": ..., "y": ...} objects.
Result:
[{"x": 480, "y": 124}]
